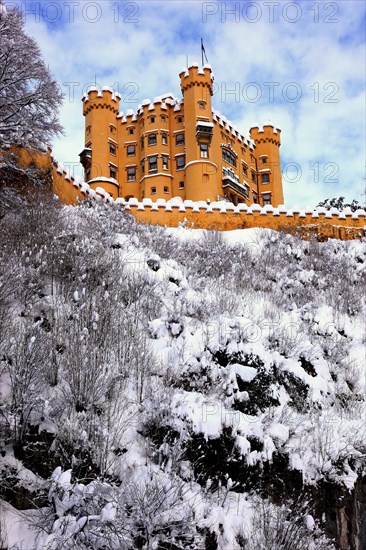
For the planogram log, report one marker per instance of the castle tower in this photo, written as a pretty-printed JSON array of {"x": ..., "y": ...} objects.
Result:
[
  {"x": 268, "y": 142},
  {"x": 200, "y": 171},
  {"x": 100, "y": 110}
]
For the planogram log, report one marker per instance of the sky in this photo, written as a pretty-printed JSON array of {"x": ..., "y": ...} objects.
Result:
[{"x": 299, "y": 64}]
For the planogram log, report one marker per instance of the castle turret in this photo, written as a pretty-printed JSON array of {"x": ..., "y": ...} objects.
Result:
[
  {"x": 101, "y": 135},
  {"x": 200, "y": 171},
  {"x": 267, "y": 153}
]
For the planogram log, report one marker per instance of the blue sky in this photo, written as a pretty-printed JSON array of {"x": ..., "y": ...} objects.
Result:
[{"x": 300, "y": 64}]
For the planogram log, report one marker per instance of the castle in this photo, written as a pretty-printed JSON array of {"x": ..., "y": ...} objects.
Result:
[
  {"x": 178, "y": 162},
  {"x": 178, "y": 148}
]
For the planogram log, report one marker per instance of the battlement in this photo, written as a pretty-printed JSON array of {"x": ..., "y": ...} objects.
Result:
[
  {"x": 266, "y": 133},
  {"x": 101, "y": 99},
  {"x": 194, "y": 76}
]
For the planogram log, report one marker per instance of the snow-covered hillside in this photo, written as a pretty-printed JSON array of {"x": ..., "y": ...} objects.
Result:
[{"x": 177, "y": 388}]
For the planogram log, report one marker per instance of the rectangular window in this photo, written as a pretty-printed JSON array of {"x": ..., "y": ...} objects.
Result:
[
  {"x": 151, "y": 139},
  {"x": 152, "y": 120},
  {"x": 201, "y": 105},
  {"x": 112, "y": 172},
  {"x": 264, "y": 160},
  {"x": 253, "y": 177},
  {"x": 131, "y": 131},
  {"x": 265, "y": 178},
  {"x": 255, "y": 197},
  {"x": 164, "y": 139},
  {"x": 180, "y": 120},
  {"x": 163, "y": 118},
  {"x": 153, "y": 190},
  {"x": 179, "y": 139},
  {"x": 142, "y": 143},
  {"x": 266, "y": 199},
  {"x": 229, "y": 157},
  {"x": 112, "y": 149},
  {"x": 181, "y": 185},
  {"x": 245, "y": 171},
  {"x": 142, "y": 164},
  {"x": 166, "y": 190},
  {"x": 153, "y": 163},
  {"x": 165, "y": 162},
  {"x": 131, "y": 173},
  {"x": 181, "y": 161},
  {"x": 131, "y": 150},
  {"x": 204, "y": 150}
]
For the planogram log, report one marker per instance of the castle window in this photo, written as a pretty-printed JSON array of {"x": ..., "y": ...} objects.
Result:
[
  {"x": 229, "y": 157},
  {"x": 264, "y": 159},
  {"x": 253, "y": 177},
  {"x": 142, "y": 164},
  {"x": 131, "y": 150},
  {"x": 180, "y": 161},
  {"x": 255, "y": 197},
  {"x": 112, "y": 149},
  {"x": 151, "y": 139},
  {"x": 266, "y": 199},
  {"x": 180, "y": 120},
  {"x": 181, "y": 185},
  {"x": 201, "y": 104},
  {"x": 165, "y": 162},
  {"x": 265, "y": 178},
  {"x": 88, "y": 129},
  {"x": 112, "y": 129},
  {"x": 164, "y": 139},
  {"x": 112, "y": 172},
  {"x": 153, "y": 190},
  {"x": 166, "y": 190},
  {"x": 204, "y": 150},
  {"x": 142, "y": 143},
  {"x": 153, "y": 163},
  {"x": 131, "y": 131},
  {"x": 152, "y": 120},
  {"x": 131, "y": 173},
  {"x": 163, "y": 118},
  {"x": 179, "y": 139},
  {"x": 245, "y": 170}
]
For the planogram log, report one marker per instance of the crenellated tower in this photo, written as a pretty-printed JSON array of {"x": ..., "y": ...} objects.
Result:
[
  {"x": 201, "y": 173},
  {"x": 100, "y": 155},
  {"x": 178, "y": 147},
  {"x": 268, "y": 141}
]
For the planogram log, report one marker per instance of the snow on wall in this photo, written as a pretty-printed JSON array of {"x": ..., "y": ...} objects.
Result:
[{"x": 219, "y": 215}]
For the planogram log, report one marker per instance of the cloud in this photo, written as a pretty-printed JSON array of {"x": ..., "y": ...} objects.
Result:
[{"x": 304, "y": 60}]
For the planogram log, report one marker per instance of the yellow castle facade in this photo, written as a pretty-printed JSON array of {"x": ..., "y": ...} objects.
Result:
[
  {"x": 178, "y": 162},
  {"x": 178, "y": 148}
]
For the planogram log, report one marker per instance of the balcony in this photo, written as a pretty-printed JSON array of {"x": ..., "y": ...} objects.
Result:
[
  {"x": 86, "y": 157},
  {"x": 204, "y": 130},
  {"x": 231, "y": 180}
]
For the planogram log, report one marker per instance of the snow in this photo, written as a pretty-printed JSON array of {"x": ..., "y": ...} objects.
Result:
[
  {"x": 247, "y": 374},
  {"x": 195, "y": 339}
]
